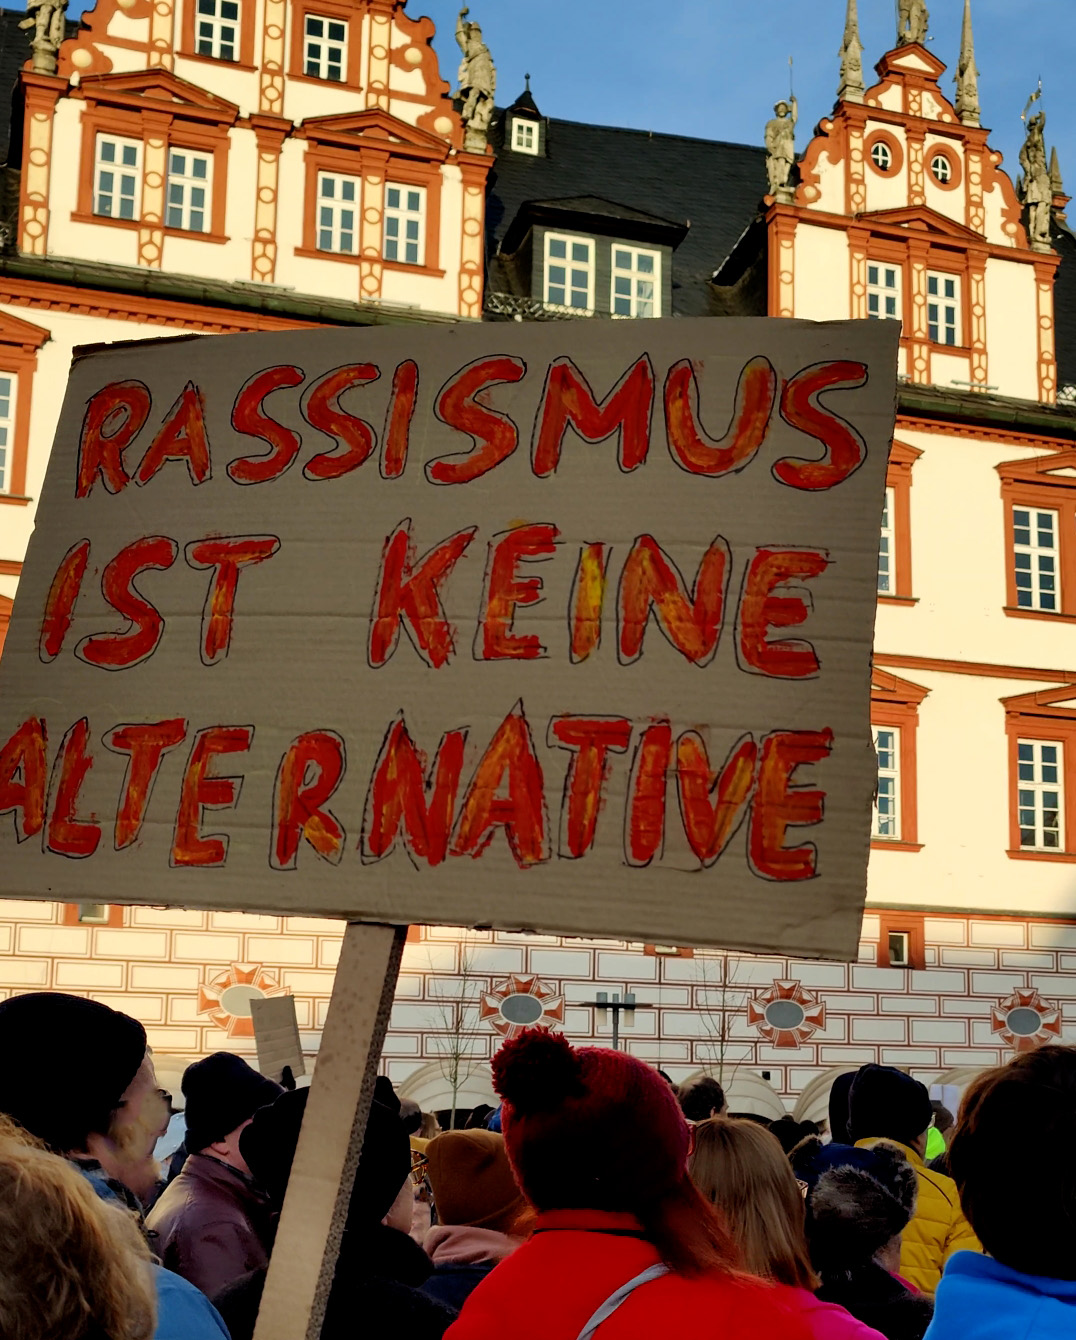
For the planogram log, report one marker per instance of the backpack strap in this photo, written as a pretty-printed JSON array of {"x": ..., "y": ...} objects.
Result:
[{"x": 621, "y": 1296}]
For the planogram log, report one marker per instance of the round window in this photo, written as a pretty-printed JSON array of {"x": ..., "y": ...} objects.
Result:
[
  {"x": 522, "y": 1009},
  {"x": 941, "y": 169},
  {"x": 881, "y": 156},
  {"x": 1023, "y": 1022},
  {"x": 784, "y": 1014}
]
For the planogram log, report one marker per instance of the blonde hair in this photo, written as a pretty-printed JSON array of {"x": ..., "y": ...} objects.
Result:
[
  {"x": 72, "y": 1266},
  {"x": 742, "y": 1169}
]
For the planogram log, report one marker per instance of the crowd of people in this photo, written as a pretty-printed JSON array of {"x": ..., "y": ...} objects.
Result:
[{"x": 595, "y": 1201}]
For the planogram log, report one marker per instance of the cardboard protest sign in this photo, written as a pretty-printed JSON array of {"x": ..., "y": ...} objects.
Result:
[
  {"x": 562, "y": 626},
  {"x": 276, "y": 1035}
]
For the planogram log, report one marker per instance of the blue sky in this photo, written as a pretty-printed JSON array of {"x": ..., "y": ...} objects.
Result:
[{"x": 714, "y": 68}]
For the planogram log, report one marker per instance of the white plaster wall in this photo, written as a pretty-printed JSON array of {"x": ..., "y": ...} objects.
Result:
[
  {"x": 891, "y": 98},
  {"x": 993, "y": 207},
  {"x": 831, "y": 184},
  {"x": 53, "y": 361},
  {"x": 822, "y": 276},
  {"x": 229, "y": 260},
  {"x": 223, "y": 79},
  {"x": 959, "y": 564},
  {"x": 7, "y": 584},
  {"x": 948, "y": 368},
  {"x": 100, "y": 242},
  {"x": 305, "y": 99},
  {"x": 953, "y": 204},
  {"x": 1012, "y": 328},
  {"x": 124, "y": 60},
  {"x": 963, "y": 810},
  {"x": 127, "y": 29},
  {"x": 886, "y": 192}
]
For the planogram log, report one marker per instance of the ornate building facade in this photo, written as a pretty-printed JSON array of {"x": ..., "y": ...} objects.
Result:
[{"x": 161, "y": 161}]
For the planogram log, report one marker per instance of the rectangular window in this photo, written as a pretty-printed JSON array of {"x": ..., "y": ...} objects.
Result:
[
  {"x": 1038, "y": 794},
  {"x": 405, "y": 224},
  {"x": 524, "y": 136},
  {"x": 1036, "y": 558},
  {"x": 93, "y": 913},
  {"x": 188, "y": 191},
  {"x": 899, "y": 949},
  {"x": 569, "y": 272},
  {"x": 117, "y": 177},
  {"x": 636, "y": 282},
  {"x": 883, "y": 292},
  {"x": 325, "y": 48},
  {"x": 943, "y": 308},
  {"x": 886, "y": 551},
  {"x": 217, "y": 29},
  {"x": 887, "y": 801},
  {"x": 338, "y": 209},
  {"x": 7, "y": 429}
]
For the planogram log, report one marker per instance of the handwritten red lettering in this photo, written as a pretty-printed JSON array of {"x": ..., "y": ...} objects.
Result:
[
  {"x": 250, "y": 419},
  {"x": 592, "y": 740},
  {"x": 355, "y": 439},
  {"x": 309, "y": 775},
  {"x": 406, "y": 797},
  {"x": 410, "y": 590},
  {"x": 23, "y": 775},
  {"x": 509, "y": 762},
  {"x": 568, "y": 401},
  {"x": 200, "y": 792},
  {"x": 779, "y": 806},
  {"x": 66, "y": 834},
  {"x": 845, "y": 449},
  {"x": 182, "y": 437},
  {"x": 114, "y": 417},
  {"x": 60, "y": 601},
  {"x": 691, "y": 447},
  {"x": 226, "y": 557},
  {"x": 146, "y": 745},
  {"x": 494, "y": 434},
  {"x": 505, "y": 589},
  {"x": 761, "y": 610},
  {"x": 140, "y": 639}
]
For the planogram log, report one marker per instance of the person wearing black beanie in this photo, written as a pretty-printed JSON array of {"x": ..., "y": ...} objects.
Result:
[
  {"x": 380, "y": 1268},
  {"x": 78, "y": 1076},
  {"x": 886, "y": 1104},
  {"x": 212, "y": 1224}
]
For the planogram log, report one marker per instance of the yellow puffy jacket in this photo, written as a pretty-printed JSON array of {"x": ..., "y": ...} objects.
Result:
[{"x": 938, "y": 1227}]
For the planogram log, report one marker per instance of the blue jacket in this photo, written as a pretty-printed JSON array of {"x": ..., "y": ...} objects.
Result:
[
  {"x": 184, "y": 1312},
  {"x": 980, "y": 1299}
]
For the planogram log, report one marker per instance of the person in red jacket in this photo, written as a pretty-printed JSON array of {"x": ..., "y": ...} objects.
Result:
[{"x": 622, "y": 1245}]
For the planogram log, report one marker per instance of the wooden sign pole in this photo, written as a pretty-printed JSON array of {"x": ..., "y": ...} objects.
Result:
[{"x": 323, "y": 1174}]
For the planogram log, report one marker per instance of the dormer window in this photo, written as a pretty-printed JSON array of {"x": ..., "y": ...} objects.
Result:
[
  {"x": 524, "y": 135},
  {"x": 569, "y": 272}
]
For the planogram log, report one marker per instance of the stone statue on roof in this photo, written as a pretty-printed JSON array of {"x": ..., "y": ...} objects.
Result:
[
  {"x": 1036, "y": 189},
  {"x": 477, "y": 84},
  {"x": 781, "y": 148},
  {"x": 48, "y": 20},
  {"x": 913, "y": 18}
]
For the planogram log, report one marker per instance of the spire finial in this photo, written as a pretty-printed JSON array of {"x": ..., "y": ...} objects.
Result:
[
  {"x": 967, "y": 76},
  {"x": 1056, "y": 184},
  {"x": 850, "y": 88},
  {"x": 528, "y": 79}
]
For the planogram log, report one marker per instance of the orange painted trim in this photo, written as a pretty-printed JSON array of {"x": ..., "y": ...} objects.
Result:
[
  {"x": 897, "y": 600},
  {"x": 188, "y": 42},
  {"x": 69, "y": 915},
  {"x": 896, "y": 150},
  {"x": 895, "y": 702},
  {"x": 142, "y": 310},
  {"x": 6, "y": 604},
  {"x": 956, "y": 172},
  {"x": 15, "y": 499},
  {"x": 329, "y": 9},
  {"x": 21, "y": 364},
  {"x": 359, "y": 160},
  {"x": 899, "y": 478},
  {"x": 912, "y": 924},
  {"x": 651, "y": 951},
  {"x": 980, "y": 669},
  {"x": 1028, "y": 487},
  {"x": 1043, "y": 722},
  {"x": 954, "y": 235},
  {"x": 10, "y": 567},
  {"x": 975, "y": 433},
  {"x": 885, "y": 844}
]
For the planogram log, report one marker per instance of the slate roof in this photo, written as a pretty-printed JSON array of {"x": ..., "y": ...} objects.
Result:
[
  {"x": 1065, "y": 305},
  {"x": 718, "y": 187},
  {"x": 14, "y": 51}
]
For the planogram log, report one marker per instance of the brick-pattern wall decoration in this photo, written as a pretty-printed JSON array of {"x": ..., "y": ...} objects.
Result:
[{"x": 971, "y": 1004}]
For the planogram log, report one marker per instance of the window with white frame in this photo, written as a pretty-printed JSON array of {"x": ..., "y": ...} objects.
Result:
[
  {"x": 7, "y": 428},
  {"x": 1038, "y": 794},
  {"x": 941, "y": 169},
  {"x": 188, "y": 191},
  {"x": 217, "y": 28},
  {"x": 636, "y": 282},
  {"x": 881, "y": 155},
  {"x": 324, "y": 48},
  {"x": 338, "y": 212},
  {"x": 405, "y": 224},
  {"x": 569, "y": 272},
  {"x": 886, "y": 547},
  {"x": 883, "y": 292},
  {"x": 887, "y": 800},
  {"x": 117, "y": 177},
  {"x": 524, "y": 135},
  {"x": 943, "y": 307},
  {"x": 1036, "y": 558}
]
